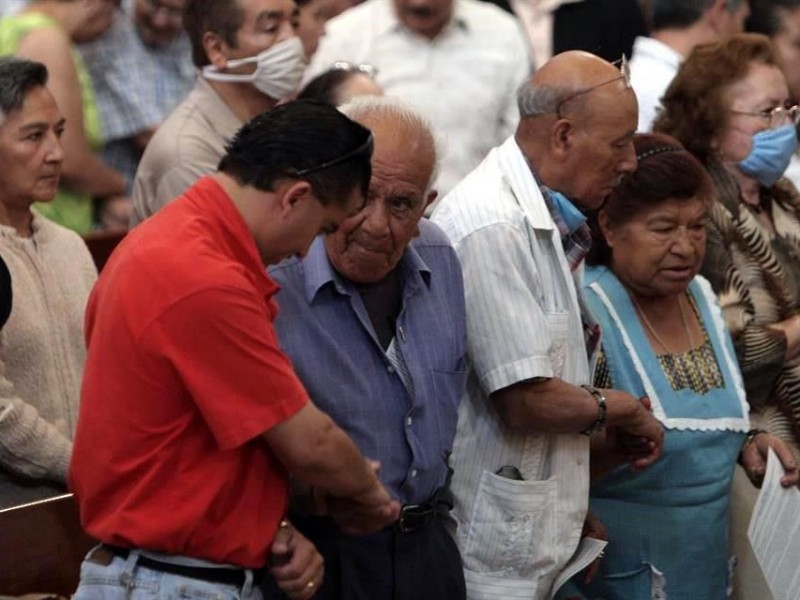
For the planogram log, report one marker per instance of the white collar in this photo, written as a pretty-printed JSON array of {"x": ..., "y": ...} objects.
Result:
[{"x": 654, "y": 49}]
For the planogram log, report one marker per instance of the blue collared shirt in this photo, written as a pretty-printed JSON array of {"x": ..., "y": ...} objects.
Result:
[{"x": 324, "y": 328}]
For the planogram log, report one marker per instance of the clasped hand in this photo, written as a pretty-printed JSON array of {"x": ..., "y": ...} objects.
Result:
[{"x": 753, "y": 458}]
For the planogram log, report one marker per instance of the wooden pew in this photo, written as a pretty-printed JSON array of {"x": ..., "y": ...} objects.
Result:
[{"x": 42, "y": 545}]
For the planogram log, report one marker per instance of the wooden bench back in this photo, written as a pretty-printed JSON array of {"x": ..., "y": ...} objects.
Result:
[{"x": 42, "y": 545}]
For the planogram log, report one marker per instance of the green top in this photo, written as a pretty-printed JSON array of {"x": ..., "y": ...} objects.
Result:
[{"x": 70, "y": 209}]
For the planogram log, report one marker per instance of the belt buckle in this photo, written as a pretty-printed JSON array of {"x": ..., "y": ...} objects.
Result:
[
  {"x": 414, "y": 517},
  {"x": 401, "y": 522}
]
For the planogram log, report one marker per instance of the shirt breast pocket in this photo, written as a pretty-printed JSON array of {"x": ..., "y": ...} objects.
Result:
[{"x": 512, "y": 527}]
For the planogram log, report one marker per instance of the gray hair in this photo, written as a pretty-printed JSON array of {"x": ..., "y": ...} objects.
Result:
[
  {"x": 17, "y": 76},
  {"x": 405, "y": 115},
  {"x": 536, "y": 100}
]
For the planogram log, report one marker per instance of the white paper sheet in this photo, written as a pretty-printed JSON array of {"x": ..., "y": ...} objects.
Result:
[
  {"x": 774, "y": 533},
  {"x": 588, "y": 549}
]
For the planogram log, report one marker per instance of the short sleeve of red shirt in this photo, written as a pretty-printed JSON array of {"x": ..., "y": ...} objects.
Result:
[{"x": 226, "y": 353}]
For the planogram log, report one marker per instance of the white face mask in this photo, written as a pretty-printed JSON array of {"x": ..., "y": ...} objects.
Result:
[{"x": 279, "y": 69}]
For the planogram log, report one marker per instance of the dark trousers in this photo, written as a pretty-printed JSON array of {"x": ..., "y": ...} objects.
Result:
[{"x": 388, "y": 565}]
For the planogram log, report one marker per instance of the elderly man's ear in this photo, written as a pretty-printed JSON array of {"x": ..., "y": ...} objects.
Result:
[
  {"x": 560, "y": 137},
  {"x": 432, "y": 195}
]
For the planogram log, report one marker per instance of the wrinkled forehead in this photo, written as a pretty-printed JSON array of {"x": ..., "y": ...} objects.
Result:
[{"x": 402, "y": 162}]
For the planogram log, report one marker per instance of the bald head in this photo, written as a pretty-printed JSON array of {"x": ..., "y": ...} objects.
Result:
[
  {"x": 565, "y": 79},
  {"x": 369, "y": 245},
  {"x": 578, "y": 117},
  {"x": 397, "y": 124}
]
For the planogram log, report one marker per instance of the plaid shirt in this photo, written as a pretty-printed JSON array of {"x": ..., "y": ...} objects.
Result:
[
  {"x": 576, "y": 237},
  {"x": 136, "y": 86}
]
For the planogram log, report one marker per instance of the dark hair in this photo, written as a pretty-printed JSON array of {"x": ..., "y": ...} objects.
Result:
[
  {"x": 325, "y": 87},
  {"x": 694, "y": 108},
  {"x": 222, "y": 17},
  {"x": 304, "y": 140},
  {"x": 666, "y": 171},
  {"x": 766, "y": 16},
  {"x": 679, "y": 14},
  {"x": 17, "y": 77}
]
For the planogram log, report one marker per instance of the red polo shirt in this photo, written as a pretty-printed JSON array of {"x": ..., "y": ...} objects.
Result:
[{"x": 183, "y": 374}]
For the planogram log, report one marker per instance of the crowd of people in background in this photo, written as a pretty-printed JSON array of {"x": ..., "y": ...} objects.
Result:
[{"x": 411, "y": 299}]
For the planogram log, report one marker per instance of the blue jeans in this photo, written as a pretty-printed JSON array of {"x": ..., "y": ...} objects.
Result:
[{"x": 123, "y": 579}]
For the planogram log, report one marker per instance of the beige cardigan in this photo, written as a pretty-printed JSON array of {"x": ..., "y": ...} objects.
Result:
[{"x": 42, "y": 354}]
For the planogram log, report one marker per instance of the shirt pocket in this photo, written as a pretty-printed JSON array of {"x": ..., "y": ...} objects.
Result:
[
  {"x": 448, "y": 387},
  {"x": 512, "y": 529},
  {"x": 558, "y": 328}
]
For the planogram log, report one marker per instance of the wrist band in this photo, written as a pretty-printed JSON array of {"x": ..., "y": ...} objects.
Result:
[
  {"x": 751, "y": 436},
  {"x": 600, "y": 422}
]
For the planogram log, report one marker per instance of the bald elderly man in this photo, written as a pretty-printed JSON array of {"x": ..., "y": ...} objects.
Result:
[
  {"x": 521, "y": 454},
  {"x": 373, "y": 319}
]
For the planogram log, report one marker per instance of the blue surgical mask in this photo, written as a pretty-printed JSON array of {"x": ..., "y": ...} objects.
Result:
[
  {"x": 770, "y": 155},
  {"x": 573, "y": 217}
]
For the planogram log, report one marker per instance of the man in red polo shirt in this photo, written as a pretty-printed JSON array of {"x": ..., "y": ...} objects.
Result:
[{"x": 191, "y": 416}]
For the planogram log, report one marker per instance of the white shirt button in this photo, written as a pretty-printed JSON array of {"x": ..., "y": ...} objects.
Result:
[
  {"x": 413, "y": 473},
  {"x": 409, "y": 421}
]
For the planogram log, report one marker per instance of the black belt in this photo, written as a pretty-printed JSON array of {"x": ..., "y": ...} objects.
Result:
[
  {"x": 224, "y": 575},
  {"x": 414, "y": 517}
]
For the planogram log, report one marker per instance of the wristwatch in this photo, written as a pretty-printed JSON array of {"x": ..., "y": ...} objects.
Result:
[{"x": 600, "y": 422}]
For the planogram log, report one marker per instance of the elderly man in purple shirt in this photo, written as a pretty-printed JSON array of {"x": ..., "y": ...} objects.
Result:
[{"x": 373, "y": 319}]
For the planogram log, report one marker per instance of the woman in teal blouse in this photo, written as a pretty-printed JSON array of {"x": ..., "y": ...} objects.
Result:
[{"x": 664, "y": 338}]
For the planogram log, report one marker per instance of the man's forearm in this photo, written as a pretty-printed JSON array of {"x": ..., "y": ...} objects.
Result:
[
  {"x": 315, "y": 450},
  {"x": 555, "y": 406},
  {"x": 550, "y": 405},
  {"x": 337, "y": 466}
]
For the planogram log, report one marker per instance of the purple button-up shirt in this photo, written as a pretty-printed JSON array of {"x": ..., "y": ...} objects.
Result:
[{"x": 324, "y": 328}]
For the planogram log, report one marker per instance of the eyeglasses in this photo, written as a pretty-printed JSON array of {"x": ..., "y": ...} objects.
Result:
[
  {"x": 364, "y": 149},
  {"x": 624, "y": 75},
  {"x": 157, "y": 6},
  {"x": 368, "y": 70},
  {"x": 775, "y": 117}
]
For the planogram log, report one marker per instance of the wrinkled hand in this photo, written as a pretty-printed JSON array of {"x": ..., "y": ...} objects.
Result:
[
  {"x": 367, "y": 513},
  {"x": 641, "y": 438},
  {"x": 754, "y": 459},
  {"x": 593, "y": 528},
  {"x": 295, "y": 563}
]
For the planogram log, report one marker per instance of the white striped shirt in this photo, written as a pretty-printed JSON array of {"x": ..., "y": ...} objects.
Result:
[{"x": 523, "y": 321}]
